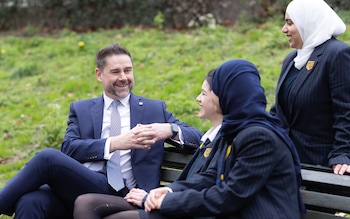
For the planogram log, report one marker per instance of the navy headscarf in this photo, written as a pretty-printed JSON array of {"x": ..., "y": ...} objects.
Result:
[{"x": 243, "y": 104}]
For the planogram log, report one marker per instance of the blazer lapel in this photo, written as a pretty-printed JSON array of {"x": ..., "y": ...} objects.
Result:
[
  {"x": 96, "y": 110},
  {"x": 305, "y": 72},
  {"x": 283, "y": 77},
  {"x": 285, "y": 69},
  {"x": 136, "y": 110}
]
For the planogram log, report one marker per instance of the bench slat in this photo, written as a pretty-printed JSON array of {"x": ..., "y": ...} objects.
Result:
[
  {"x": 327, "y": 178},
  {"x": 175, "y": 157},
  {"x": 319, "y": 215},
  {"x": 169, "y": 174},
  {"x": 336, "y": 202}
]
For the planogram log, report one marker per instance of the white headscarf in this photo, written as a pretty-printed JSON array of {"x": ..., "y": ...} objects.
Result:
[{"x": 316, "y": 23}]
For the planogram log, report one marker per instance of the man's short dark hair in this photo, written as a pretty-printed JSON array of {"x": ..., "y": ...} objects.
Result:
[{"x": 114, "y": 49}]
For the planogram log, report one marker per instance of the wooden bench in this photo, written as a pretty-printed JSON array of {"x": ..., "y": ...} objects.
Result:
[{"x": 325, "y": 194}]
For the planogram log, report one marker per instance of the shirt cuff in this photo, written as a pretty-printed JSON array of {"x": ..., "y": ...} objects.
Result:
[
  {"x": 170, "y": 190},
  {"x": 107, "y": 155},
  {"x": 180, "y": 141}
]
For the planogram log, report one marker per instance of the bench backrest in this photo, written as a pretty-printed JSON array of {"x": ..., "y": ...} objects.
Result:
[
  {"x": 174, "y": 161},
  {"x": 324, "y": 193}
]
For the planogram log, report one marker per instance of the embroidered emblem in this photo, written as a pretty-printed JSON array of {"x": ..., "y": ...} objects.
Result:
[
  {"x": 207, "y": 152},
  {"x": 310, "y": 65}
]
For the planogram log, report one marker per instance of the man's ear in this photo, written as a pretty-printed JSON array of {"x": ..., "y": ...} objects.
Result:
[{"x": 98, "y": 74}]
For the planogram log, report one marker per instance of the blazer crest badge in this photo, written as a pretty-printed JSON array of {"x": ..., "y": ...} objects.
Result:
[
  {"x": 310, "y": 65},
  {"x": 207, "y": 152}
]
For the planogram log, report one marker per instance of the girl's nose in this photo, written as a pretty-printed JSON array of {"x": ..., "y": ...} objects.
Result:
[{"x": 284, "y": 29}]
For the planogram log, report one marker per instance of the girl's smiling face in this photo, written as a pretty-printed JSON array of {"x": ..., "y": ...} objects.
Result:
[
  {"x": 291, "y": 31},
  {"x": 207, "y": 108}
]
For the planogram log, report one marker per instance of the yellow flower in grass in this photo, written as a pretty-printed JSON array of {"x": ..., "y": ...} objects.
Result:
[
  {"x": 81, "y": 44},
  {"x": 2, "y": 51}
]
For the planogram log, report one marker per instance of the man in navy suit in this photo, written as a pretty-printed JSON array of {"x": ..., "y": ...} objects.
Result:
[{"x": 49, "y": 183}]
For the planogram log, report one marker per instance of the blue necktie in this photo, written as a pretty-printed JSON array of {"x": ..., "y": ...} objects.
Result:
[{"x": 114, "y": 174}]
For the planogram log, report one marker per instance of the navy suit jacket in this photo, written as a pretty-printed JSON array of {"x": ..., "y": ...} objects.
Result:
[
  {"x": 319, "y": 105},
  {"x": 83, "y": 135},
  {"x": 259, "y": 182}
]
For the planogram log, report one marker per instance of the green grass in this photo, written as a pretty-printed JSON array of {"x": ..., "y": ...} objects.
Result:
[{"x": 40, "y": 76}]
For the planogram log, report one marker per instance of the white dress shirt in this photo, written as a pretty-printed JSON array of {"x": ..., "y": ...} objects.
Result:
[{"x": 125, "y": 155}]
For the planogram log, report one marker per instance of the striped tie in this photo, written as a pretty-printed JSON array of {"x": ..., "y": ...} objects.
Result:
[{"x": 114, "y": 174}]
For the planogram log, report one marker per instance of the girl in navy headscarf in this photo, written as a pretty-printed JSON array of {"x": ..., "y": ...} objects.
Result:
[{"x": 255, "y": 170}]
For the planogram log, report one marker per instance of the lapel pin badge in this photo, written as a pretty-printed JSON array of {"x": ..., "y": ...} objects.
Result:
[{"x": 310, "y": 65}]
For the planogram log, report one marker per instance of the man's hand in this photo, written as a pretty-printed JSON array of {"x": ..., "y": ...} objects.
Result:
[
  {"x": 155, "y": 198},
  {"x": 140, "y": 137},
  {"x": 161, "y": 131},
  {"x": 135, "y": 196},
  {"x": 340, "y": 169}
]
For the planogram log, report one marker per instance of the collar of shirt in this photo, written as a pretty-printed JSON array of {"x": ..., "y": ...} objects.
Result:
[
  {"x": 124, "y": 112},
  {"x": 108, "y": 101},
  {"x": 211, "y": 133}
]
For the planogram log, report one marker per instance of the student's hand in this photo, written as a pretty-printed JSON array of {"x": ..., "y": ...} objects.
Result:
[
  {"x": 340, "y": 169},
  {"x": 140, "y": 137},
  {"x": 135, "y": 196},
  {"x": 155, "y": 198}
]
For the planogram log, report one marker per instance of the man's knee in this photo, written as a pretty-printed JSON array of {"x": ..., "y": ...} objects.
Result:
[
  {"x": 47, "y": 153},
  {"x": 40, "y": 204},
  {"x": 47, "y": 157},
  {"x": 29, "y": 206}
]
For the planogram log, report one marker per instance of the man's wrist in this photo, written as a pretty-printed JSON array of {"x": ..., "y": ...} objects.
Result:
[{"x": 174, "y": 129}]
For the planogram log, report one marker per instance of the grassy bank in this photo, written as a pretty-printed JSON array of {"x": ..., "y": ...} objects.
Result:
[{"x": 40, "y": 76}]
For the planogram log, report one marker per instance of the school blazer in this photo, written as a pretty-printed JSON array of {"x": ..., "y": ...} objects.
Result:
[
  {"x": 252, "y": 187},
  {"x": 319, "y": 103},
  {"x": 83, "y": 135}
]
